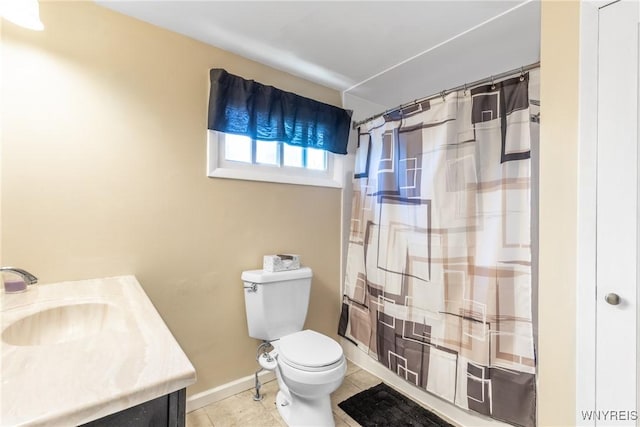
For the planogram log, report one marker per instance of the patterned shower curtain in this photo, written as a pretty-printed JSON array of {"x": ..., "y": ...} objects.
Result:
[{"x": 438, "y": 284}]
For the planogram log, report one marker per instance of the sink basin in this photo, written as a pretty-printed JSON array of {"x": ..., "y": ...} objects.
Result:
[{"x": 63, "y": 324}]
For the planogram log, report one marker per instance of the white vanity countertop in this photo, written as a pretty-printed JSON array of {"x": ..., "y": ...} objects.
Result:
[{"x": 133, "y": 358}]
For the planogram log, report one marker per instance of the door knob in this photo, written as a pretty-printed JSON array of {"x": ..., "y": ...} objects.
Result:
[{"x": 613, "y": 299}]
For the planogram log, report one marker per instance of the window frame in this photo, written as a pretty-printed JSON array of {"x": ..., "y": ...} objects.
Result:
[{"x": 219, "y": 167}]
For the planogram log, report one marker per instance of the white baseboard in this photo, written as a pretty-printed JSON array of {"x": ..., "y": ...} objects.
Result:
[
  {"x": 442, "y": 408},
  {"x": 207, "y": 397}
]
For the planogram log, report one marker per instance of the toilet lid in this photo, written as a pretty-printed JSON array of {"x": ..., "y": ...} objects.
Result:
[{"x": 309, "y": 348}]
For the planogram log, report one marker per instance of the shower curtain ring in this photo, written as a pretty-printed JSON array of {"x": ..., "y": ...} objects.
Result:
[
  {"x": 521, "y": 74},
  {"x": 442, "y": 94},
  {"x": 493, "y": 84}
]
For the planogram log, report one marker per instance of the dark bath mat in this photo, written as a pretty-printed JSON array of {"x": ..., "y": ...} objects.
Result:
[{"x": 383, "y": 406}]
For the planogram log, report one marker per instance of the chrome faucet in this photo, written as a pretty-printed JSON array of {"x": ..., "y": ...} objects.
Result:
[{"x": 29, "y": 278}]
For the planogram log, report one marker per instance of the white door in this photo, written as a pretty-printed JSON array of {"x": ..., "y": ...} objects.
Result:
[{"x": 617, "y": 215}]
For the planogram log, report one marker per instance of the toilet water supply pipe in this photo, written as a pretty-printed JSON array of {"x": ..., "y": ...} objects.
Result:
[{"x": 263, "y": 346}]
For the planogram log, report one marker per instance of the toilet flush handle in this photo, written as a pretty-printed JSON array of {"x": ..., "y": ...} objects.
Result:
[{"x": 253, "y": 287}]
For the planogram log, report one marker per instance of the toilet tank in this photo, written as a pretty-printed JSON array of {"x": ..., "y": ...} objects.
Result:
[{"x": 276, "y": 303}]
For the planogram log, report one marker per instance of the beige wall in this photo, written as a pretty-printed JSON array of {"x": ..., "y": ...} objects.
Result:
[
  {"x": 103, "y": 173},
  {"x": 558, "y": 212}
]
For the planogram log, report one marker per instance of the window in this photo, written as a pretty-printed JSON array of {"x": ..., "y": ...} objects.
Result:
[
  {"x": 240, "y": 157},
  {"x": 242, "y": 149}
]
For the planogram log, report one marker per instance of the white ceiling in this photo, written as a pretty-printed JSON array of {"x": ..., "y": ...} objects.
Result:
[{"x": 348, "y": 45}]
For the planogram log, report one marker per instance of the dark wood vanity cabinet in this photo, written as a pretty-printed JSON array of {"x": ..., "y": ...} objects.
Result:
[{"x": 168, "y": 410}]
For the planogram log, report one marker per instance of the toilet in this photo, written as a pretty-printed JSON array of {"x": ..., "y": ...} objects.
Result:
[{"x": 309, "y": 366}]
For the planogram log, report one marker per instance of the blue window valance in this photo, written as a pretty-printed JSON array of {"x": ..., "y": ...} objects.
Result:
[{"x": 245, "y": 107}]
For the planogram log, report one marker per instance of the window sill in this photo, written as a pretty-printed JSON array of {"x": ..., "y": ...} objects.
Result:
[{"x": 248, "y": 175}]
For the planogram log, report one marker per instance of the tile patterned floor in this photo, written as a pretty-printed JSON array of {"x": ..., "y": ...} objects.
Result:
[{"x": 240, "y": 410}]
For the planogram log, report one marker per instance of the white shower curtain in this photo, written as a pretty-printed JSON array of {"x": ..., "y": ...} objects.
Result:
[{"x": 438, "y": 285}]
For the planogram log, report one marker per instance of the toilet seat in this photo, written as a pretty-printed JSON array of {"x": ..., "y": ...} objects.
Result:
[{"x": 309, "y": 351}]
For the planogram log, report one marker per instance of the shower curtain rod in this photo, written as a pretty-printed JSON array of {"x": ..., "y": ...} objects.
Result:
[{"x": 465, "y": 86}]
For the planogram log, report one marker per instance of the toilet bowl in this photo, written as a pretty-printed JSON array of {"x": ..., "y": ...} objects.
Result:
[{"x": 309, "y": 367}]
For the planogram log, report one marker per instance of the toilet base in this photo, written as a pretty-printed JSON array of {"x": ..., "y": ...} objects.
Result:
[{"x": 305, "y": 412}]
